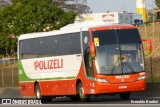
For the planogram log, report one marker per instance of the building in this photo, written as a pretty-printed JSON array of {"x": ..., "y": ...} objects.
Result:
[
  {"x": 112, "y": 17},
  {"x": 157, "y": 14}
]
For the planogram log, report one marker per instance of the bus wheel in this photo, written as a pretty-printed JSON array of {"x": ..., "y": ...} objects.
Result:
[
  {"x": 37, "y": 92},
  {"x": 125, "y": 96},
  {"x": 83, "y": 97}
]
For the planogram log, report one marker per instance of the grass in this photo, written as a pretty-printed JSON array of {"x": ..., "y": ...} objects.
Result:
[{"x": 150, "y": 80}]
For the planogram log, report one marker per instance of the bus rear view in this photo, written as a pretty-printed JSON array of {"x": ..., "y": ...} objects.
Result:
[{"x": 118, "y": 60}]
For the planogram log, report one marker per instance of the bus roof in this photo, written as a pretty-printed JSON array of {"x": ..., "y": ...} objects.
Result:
[
  {"x": 87, "y": 25},
  {"x": 72, "y": 28}
]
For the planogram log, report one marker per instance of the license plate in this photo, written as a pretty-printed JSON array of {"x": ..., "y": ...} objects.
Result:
[{"x": 122, "y": 87}]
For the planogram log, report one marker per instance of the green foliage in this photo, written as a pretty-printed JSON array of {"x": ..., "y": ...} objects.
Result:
[
  {"x": 26, "y": 16},
  {"x": 157, "y": 2}
]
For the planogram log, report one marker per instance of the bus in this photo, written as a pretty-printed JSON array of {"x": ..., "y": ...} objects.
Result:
[{"x": 80, "y": 60}]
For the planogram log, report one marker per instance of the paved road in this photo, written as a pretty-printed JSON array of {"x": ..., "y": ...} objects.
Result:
[{"x": 152, "y": 94}]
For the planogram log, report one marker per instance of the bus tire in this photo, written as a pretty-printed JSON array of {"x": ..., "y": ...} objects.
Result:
[
  {"x": 125, "y": 95},
  {"x": 83, "y": 97},
  {"x": 38, "y": 94}
]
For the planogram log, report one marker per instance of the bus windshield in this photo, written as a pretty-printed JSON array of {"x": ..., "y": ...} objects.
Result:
[{"x": 118, "y": 51}]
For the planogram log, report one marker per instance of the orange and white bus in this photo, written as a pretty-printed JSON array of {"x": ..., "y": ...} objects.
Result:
[{"x": 80, "y": 60}]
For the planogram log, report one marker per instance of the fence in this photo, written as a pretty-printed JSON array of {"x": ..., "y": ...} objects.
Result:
[
  {"x": 153, "y": 69},
  {"x": 150, "y": 31},
  {"x": 9, "y": 77},
  {"x": 8, "y": 61}
]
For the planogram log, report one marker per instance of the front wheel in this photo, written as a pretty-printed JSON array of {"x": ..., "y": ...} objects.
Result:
[
  {"x": 80, "y": 90},
  {"x": 125, "y": 96}
]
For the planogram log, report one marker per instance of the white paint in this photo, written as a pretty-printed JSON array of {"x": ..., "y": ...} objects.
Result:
[
  {"x": 122, "y": 87},
  {"x": 108, "y": 18},
  {"x": 71, "y": 67},
  {"x": 122, "y": 77}
]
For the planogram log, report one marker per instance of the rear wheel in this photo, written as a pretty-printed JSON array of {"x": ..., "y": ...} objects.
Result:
[
  {"x": 125, "y": 96},
  {"x": 82, "y": 96}
]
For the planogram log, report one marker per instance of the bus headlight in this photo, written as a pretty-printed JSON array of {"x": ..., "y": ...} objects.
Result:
[
  {"x": 101, "y": 80},
  {"x": 141, "y": 78}
]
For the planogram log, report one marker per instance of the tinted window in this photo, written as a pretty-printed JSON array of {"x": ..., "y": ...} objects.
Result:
[
  {"x": 32, "y": 46},
  {"x": 105, "y": 37},
  {"x": 28, "y": 48},
  {"x": 75, "y": 43},
  {"x": 64, "y": 45},
  {"x": 42, "y": 46},
  {"x": 50, "y": 46},
  {"x": 123, "y": 36},
  {"x": 53, "y": 45},
  {"x": 128, "y": 36}
]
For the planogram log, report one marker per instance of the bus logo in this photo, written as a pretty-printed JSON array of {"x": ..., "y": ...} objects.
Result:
[{"x": 48, "y": 64}]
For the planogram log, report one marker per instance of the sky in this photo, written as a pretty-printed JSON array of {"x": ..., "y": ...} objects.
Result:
[{"x": 99, "y": 6}]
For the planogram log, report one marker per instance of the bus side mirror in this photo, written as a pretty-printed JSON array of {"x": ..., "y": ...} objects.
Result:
[
  {"x": 150, "y": 46},
  {"x": 92, "y": 49},
  {"x": 149, "y": 43}
]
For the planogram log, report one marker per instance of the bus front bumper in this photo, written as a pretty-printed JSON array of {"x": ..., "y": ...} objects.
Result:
[{"x": 102, "y": 88}]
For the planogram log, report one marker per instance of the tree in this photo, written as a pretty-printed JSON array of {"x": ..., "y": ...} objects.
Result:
[
  {"x": 79, "y": 6},
  {"x": 26, "y": 16},
  {"x": 157, "y": 2},
  {"x": 4, "y": 3}
]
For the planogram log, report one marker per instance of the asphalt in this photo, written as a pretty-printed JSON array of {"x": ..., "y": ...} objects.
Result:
[{"x": 151, "y": 93}]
